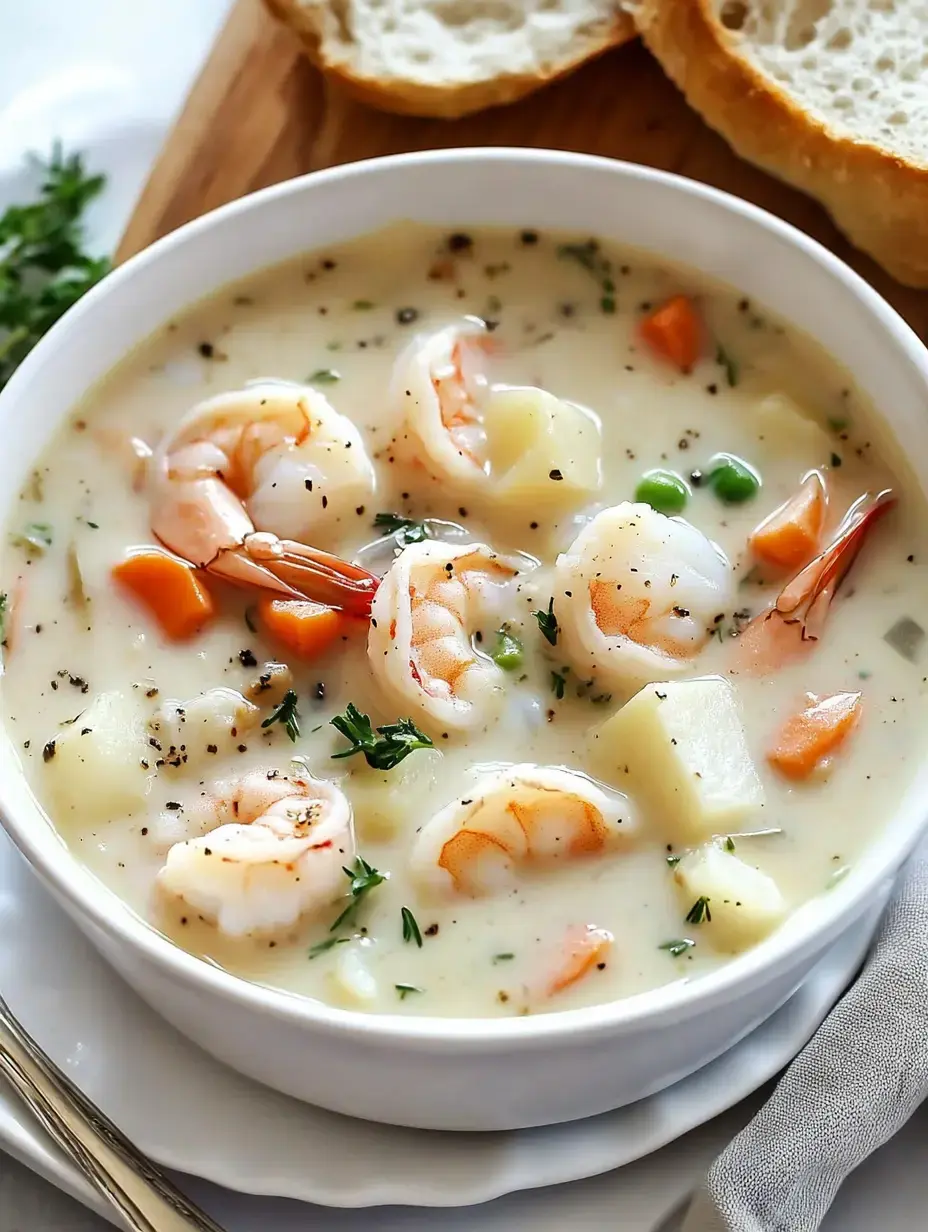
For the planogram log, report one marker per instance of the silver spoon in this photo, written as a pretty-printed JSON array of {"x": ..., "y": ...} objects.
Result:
[{"x": 132, "y": 1185}]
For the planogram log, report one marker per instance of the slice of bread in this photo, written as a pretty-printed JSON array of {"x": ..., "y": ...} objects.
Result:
[
  {"x": 830, "y": 95},
  {"x": 450, "y": 57}
]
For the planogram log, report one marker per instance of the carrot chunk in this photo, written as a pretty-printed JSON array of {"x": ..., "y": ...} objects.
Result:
[
  {"x": 674, "y": 332},
  {"x": 806, "y": 739},
  {"x": 790, "y": 536},
  {"x": 169, "y": 588},
  {"x": 585, "y": 947},
  {"x": 306, "y": 628}
]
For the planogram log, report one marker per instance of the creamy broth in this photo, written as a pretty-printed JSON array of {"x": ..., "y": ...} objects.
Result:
[{"x": 562, "y": 322}]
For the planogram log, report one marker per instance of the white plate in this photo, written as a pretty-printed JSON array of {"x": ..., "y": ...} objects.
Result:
[{"x": 190, "y": 1113}]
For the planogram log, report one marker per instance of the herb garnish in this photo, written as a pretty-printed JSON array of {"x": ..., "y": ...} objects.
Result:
[
  {"x": 43, "y": 269},
  {"x": 729, "y": 843},
  {"x": 362, "y": 305},
  {"x": 324, "y": 376},
  {"x": 287, "y": 714},
  {"x": 498, "y": 958},
  {"x": 547, "y": 623},
  {"x": 405, "y": 989},
  {"x": 4, "y": 612},
  {"x": 673, "y": 861},
  {"x": 699, "y": 911},
  {"x": 35, "y": 537},
  {"x": 558, "y": 684},
  {"x": 322, "y": 946},
  {"x": 508, "y": 651},
  {"x": 384, "y": 751},
  {"x": 410, "y": 927},
  {"x": 678, "y": 947},
  {"x": 724, "y": 360},
  {"x": 364, "y": 878},
  {"x": 405, "y": 530},
  {"x": 589, "y": 257}
]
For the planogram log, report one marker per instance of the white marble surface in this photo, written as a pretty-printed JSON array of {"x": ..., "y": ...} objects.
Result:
[{"x": 110, "y": 74}]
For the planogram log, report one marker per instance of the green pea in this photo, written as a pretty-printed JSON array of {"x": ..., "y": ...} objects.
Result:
[
  {"x": 663, "y": 491},
  {"x": 732, "y": 479},
  {"x": 507, "y": 653}
]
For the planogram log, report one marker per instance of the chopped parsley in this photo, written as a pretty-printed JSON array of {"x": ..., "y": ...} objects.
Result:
[
  {"x": 699, "y": 912},
  {"x": 547, "y": 623},
  {"x": 404, "y": 530},
  {"x": 34, "y": 537},
  {"x": 729, "y": 843},
  {"x": 673, "y": 861},
  {"x": 324, "y": 376},
  {"x": 287, "y": 714},
  {"x": 678, "y": 947},
  {"x": 363, "y": 305},
  {"x": 384, "y": 750},
  {"x": 588, "y": 256},
  {"x": 364, "y": 878},
  {"x": 724, "y": 360},
  {"x": 405, "y": 989},
  {"x": 498, "y": 958},
  {"x": 321, "y": 947},
  {"x": 558, "y": 683},
  {"x": 411, "y": 930}
]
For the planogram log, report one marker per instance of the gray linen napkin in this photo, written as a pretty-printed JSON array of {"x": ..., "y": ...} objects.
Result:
[{"x": 853, "y": 1086}]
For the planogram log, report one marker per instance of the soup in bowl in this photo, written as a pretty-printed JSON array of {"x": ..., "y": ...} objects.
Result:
[{"x": 435, "y": 642}]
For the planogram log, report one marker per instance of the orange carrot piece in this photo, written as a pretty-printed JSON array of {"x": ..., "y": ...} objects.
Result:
[
  {"x": 674, "y": 331},
  {"x": 169, "y": 588},
  {"x": 806, "y": 739},
  {"x": 306, "y": 628},
  {"x": 790, "y": 536},
  {"x": 585, "y": 947}
]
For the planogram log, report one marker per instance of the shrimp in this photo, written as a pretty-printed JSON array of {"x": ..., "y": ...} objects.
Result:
[
  {"x": 276, "y": 854},
  {"x": 585, "y": 948},
  {"x": 439, "y": 387},
  {"x": 636, "y": 595},
  {"x": 521, "y": 815},
  {"x": 274, "y": 457},
  {"x": 422, "y": 621},
  {"x": 792, "y": 627}
]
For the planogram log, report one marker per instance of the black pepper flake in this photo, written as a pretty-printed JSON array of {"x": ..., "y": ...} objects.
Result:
[
  {"x": 308, "y": 485},
  {"x": 431, "y": 931},
  {"x": 528, "y": 238},
  {"x": 325, "y": 502},
  {"x": 696, "y": 478},
  {"x": 360, "y": 511},
  {"x": 212, "y": 748},
  {"x": 319, "y": 690},
  {"x": 174, "y": 805},
  {"x": 247, "y": 659},
  {"x": 49, "y": 751},
  {"x": 206, "y": 349},
  {"x": 406, "y": 316},
  {"x": 460, "y": 242},
  {"x": 144, "y": 831},
  {"x": 555, "y": 475}
]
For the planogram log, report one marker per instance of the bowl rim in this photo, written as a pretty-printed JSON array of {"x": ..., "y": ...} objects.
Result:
[{"x": 680, "y": 1000}]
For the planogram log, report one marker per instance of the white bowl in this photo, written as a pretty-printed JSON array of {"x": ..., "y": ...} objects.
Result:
[{"x": 435, "y": 1072}]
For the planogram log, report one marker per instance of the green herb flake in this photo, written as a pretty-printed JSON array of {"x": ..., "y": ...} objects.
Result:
[
  {"x": 724, "y": 360},
  {"x": 43, "y": 268},
  {"x": 384, "y": 750},
  {"x": 324, "y": 376},
  {"x": 4, "y": 612},
  {"x": 250, "y": 619},
  {"x": 588, "y": 256},
  {"x": 411, "y": 931},
  {"x": 404, "y": 990},
  {"x": 678, "y": 947},
  {"x": 673, "y": 861},
  {"x": 729, "y": 843},
  {"x": 547, "y": 623},
  {"x": 287, "y": 714},
  {"x": 362, "y": 305},
  {"x": 508, "y": 652},
  {"x": 558, "y": 684},
  {"x": 364, "y": 878},
  {"x": 34, "y": 537},
  {"x": 837, "y": 425},
  {"x": 322, "y": 947},
  {"x": 498, "y": 958},
  {"x": 404, "y": 530},
  {"x": 699, "y": 912}
]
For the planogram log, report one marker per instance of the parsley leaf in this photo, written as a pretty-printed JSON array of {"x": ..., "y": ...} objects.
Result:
[
  {"x": 724, "y": 360},
  {"x": 558, "y": 683},
  {"x": 547, "y": 623},
  {"x": 385, "y": 750},
  {"x": 404, "y": 530},
  {"x": 287, "y": 714},
  {"x": 699, "y": 912},
  {"x": 410, "y": 927},
  {"x": 405, "y": 989},
  {"x": 324, "y": 376},
  {"x": 676, "y": 948},
  {"x": 364, "y": 878}
]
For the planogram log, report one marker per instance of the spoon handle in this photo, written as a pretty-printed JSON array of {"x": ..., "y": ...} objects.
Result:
[{"x": 143, "y": 1196}]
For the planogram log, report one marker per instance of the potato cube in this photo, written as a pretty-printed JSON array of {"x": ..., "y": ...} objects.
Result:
[
  {"x": 732, "y": 903},
  {"x": 191, "y": 733},
  {"x": 680, "y": 748},
  {"x": 785, "y": 429},
  {"x": 350, "y": 981},
  {"x": 94, "y": 766},
  {"x": 394, "y": 802}
]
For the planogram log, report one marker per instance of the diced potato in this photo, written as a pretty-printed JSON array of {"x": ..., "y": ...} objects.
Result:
[
  {"x": 541, "y": 449},
  {"x": 94, "y": 765},
  {"x": 680, "y": 747},
  {"x": 271, "y": 683},
  {"x": 741, "y": 904},
  {"x": 192, "y": 732},
  {"x": 351, "y": 981},
  {"x": 388, "y": 803},
  {"x": 785, "y": 429}
]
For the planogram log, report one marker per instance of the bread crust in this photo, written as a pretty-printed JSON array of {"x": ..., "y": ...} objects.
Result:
[
  {"x": 878, "y": 199},
  {"x": 415, "y": 98}
]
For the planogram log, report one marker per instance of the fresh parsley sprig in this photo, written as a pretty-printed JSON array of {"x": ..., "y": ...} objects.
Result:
[
  {"x": 411, "y": 930},
  {"x": 287, "y": 714},
  {"x": 364, "y": 878},
  {"x": 383, "y": 749},
  {"x": 43, "y": 267},
  {"x": 547, "y": 623}
]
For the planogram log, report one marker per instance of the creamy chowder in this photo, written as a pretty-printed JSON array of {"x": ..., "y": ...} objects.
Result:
[{"x": 542, "y": 562}]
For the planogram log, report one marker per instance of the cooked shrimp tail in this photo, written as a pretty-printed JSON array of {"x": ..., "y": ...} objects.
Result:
[{"x": 796, "y": 621}]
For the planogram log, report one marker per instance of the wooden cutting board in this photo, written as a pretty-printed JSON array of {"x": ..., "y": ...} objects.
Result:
[{"x": 260, "y": 113}]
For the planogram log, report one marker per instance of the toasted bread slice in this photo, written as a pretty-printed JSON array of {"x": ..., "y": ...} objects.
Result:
[
  {"x": 830, "y": 95},
  {"x": 451, "y": 57}
]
